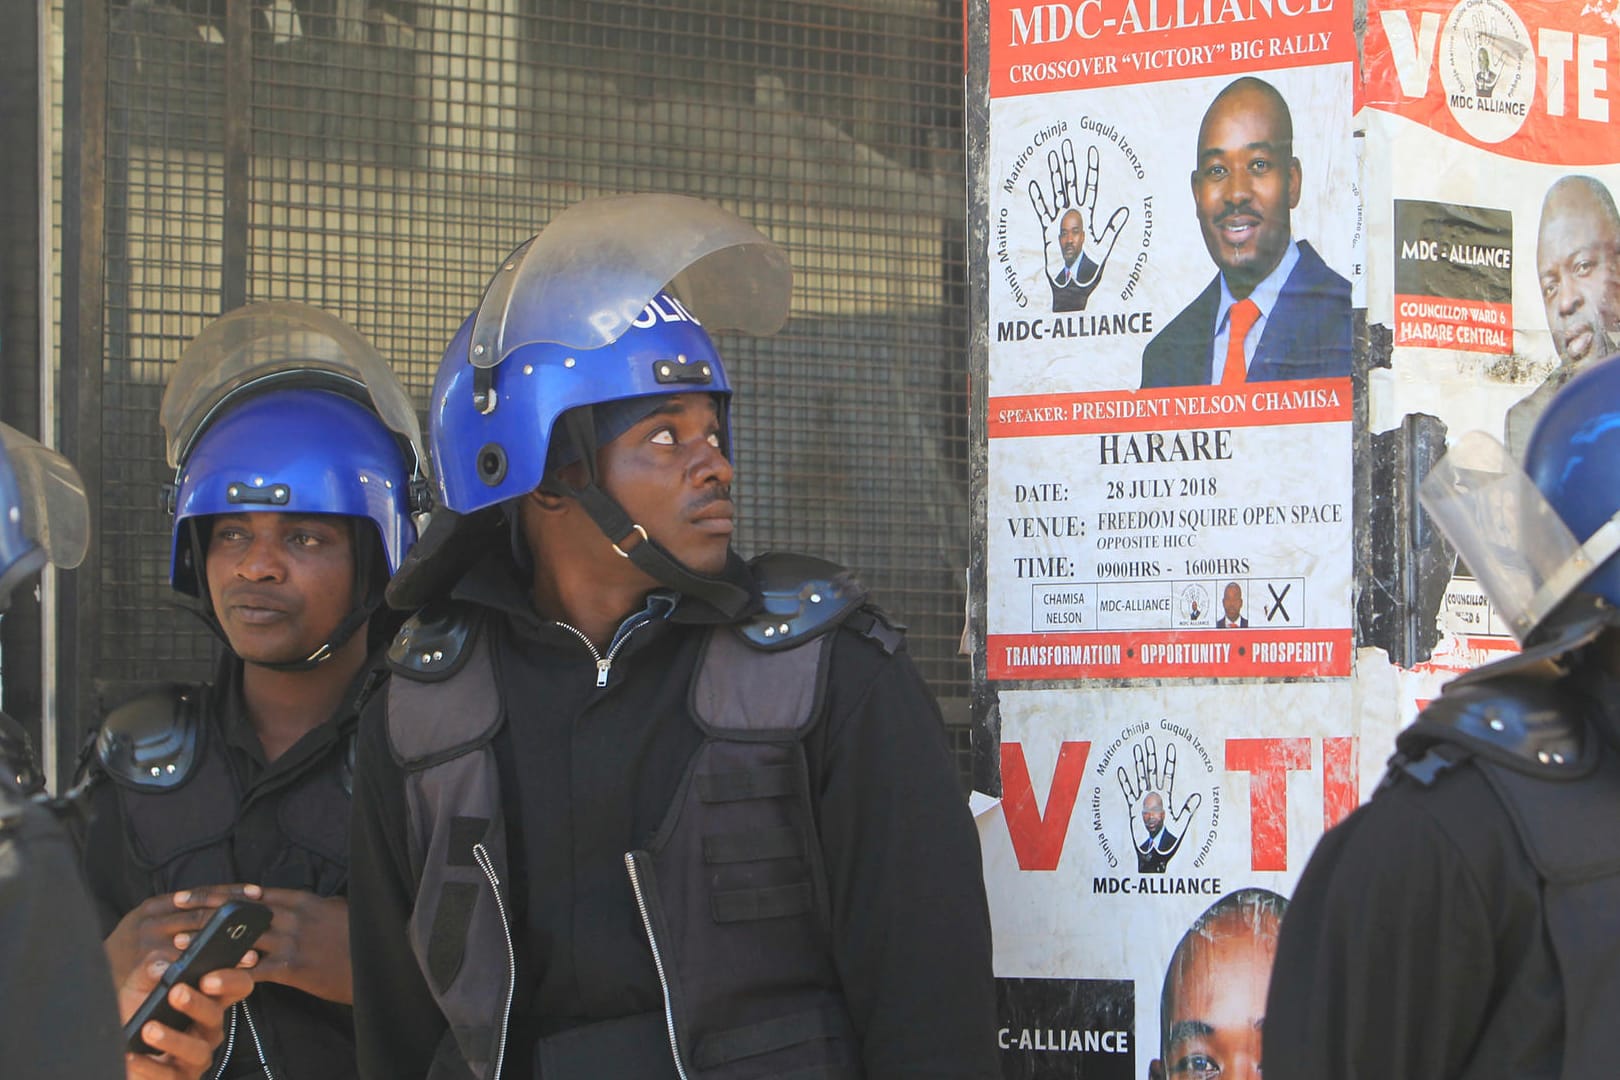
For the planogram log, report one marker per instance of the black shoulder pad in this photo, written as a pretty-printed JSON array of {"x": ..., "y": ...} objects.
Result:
[
  {"x": 1534, "y": 726},
  {"x": 154, "y": 741},
  {"x": 804, "y": 596},
  {"x": 432, "y": 645}
]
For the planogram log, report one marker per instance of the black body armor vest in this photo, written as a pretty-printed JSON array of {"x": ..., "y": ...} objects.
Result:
[
  {"x": 180, "y": 801},
  {"x": 731, "y": 890}
]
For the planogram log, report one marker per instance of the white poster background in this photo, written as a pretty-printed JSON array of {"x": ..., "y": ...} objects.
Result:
[{"x": 1284, "y": 471}]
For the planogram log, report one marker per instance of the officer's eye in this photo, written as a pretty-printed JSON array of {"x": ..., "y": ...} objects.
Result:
[
  {"x": 229, "y": 532},
  {"x": 714, "y": 439},
  {"x": 663, "y": 437},
  {"x": 304, "y": 539}
]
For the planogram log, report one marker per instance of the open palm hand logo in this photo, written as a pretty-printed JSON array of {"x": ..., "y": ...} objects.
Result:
[
  {"x": 1157, "y": 827},
  {"x": 1076, "y": 249}
]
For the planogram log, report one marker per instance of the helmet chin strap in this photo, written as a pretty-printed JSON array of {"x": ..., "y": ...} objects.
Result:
[
  {"x": 330, "y": 647},
  {"x": 726, "y": 597}
]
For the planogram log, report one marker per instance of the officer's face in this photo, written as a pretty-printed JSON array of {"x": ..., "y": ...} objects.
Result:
[
  {"x": 1071, "y": 237},
  {"x": 1578, "y": 262},
  {"x": 1245, "y": 187},
  {"x": 671, "y": 478},
  {"x": 1217, "y": 1002},
  {"x": 280, "y": 583}
]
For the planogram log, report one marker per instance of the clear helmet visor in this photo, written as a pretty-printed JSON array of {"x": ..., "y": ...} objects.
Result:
[
  {"x": 263, "y": 344},
  {"x": 1523, "y": 555},
  {"x": 594, "y": 269},
  {"x": 54, "y": 510}
]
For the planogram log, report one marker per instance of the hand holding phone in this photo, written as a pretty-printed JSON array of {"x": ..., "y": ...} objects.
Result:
[{"x": 232, "y": 930}]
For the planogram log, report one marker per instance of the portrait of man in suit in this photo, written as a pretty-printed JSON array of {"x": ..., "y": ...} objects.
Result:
[
  {"x": 1154, "y": 850},
  {"x": 1275, "y": 310},
  {"x": 1231, "y": 608},
  {"x": 1157, "y": 827},
  {"x": 1071, "y": 243},
  {"x": 1212, "y": 1009},
  {"x": 1578, "y": 267}
]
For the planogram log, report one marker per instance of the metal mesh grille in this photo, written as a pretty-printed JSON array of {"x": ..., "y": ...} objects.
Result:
[{"x": 398, "y": 150}]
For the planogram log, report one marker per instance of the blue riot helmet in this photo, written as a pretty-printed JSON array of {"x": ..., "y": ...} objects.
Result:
[
  {"x": 283, "y": 408},
  {"x": 44, "y": 515},
  {"x": 611, "y": 304},
  {"x": 20, "y": 557},
  {"x": 1537, "y": 536},
  {"x": 1573, "y": 458},
  {"x": 665, "y": 351}
]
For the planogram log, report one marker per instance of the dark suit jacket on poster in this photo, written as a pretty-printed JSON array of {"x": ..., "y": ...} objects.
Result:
[
  {"x": 1066, "y": 294},
  {"x": 1306, "y": 336},
  {"x": 1223, "y": 623},
  {"x": 1153, "y": 854}
]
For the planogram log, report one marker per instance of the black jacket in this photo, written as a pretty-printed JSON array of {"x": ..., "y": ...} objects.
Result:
[
  {"x": 57, "y": 1020},
  {"x": 589, "y": 773},
  {"x": 300, "y": 794},
  {"x": 1463, "y": 923}
]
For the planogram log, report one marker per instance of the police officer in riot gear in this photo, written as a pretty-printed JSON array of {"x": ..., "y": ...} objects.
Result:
[
  {"x": 296, "y": 463},
  {"x": 1466, "y": 921},
  {"x": 631, "y": 806},
  {"x": 56, "y": 1005}
]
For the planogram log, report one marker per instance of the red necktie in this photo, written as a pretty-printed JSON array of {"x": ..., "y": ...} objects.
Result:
[{"x": 1239, "y": 321}]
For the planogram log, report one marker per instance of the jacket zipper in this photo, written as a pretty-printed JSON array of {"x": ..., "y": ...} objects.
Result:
[
  {"x": 230, "y": 1046},
  {"x": 253, "y": 1030},
  {"x": 481, "y": 853},
  {"x": 604, "y": 664},
  {"x": 241, "y": 1009},
  {"x": 658, "y": 960}
]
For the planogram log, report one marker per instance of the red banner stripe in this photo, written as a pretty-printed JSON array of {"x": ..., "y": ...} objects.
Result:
[
  {"x": 1037, "y": 48},
  {"x": 1307, "y": 401},
  {"x": 1135, "y": 654}
]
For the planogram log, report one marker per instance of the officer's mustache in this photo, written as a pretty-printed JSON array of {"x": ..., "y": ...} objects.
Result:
[{"x": 713, "y": 495}]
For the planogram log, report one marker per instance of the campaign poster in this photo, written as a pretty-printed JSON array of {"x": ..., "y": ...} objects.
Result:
[
  {"x": 1493, "y": 237},
  {"x": 1173, "y": 253},
  {"x": 1139, "y": 825}
]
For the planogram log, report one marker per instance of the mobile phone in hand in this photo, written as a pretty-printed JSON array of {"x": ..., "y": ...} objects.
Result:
[{"x": 230, "y": 932}]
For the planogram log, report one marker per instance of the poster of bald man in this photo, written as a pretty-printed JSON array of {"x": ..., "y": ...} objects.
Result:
[
  {"x": 1212, "y": 1008},
  {"x": 1497, "y": 263},
  {"x": 1493, "y": 254},
  {"x": 1578, "y": 270},
  {"x": 1274, "y": 309},
  {"x": 1135, "y": 476},
  {"x": 1120, "y": 236}
]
